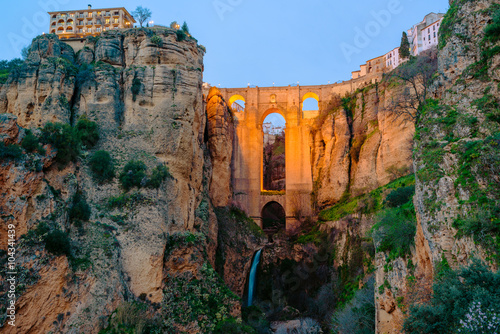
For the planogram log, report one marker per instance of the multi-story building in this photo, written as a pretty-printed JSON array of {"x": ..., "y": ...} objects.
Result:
[
  {"x": 421, "y": 36},
  {"x": 415, "y": 34},
  {"x": 373, "y": 66},
  {"x": 78, "y": 24},
  {"x": 430, "y": 35},
  {"x": 392, "y": 59}
]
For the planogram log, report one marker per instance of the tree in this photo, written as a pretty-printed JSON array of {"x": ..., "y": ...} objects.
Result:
[
  {"x": 185, "y": 28},
  {"x": 404, "y": 50},
  {"x": 417, "y": 75},
  {"x": 141, "y": 14},
  {"x": 25, "y": 52}
]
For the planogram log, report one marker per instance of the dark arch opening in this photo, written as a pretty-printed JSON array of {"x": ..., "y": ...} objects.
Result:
[{"x": 273, "y": 217}]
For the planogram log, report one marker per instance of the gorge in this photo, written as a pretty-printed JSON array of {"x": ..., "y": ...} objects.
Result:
[{"x": 136, "y": 191}]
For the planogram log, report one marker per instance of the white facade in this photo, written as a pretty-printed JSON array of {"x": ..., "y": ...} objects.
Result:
[
  {"x": 430, "y": 35},
  {"x": 392, "y": 59},
  {"x": 416, "y": 33}
]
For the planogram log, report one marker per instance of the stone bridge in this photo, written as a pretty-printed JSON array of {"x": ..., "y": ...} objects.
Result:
[{"x": 248, "y": 147}]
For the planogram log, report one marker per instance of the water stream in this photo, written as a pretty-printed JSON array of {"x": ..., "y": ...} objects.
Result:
[{"x": 253, "y": 273}]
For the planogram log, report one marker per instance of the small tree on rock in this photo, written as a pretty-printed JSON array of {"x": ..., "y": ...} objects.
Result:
[
  {"x": 185, "y": 28},
  {"x": 404, "y": 50},
  {"x": 141, "y": 14}
]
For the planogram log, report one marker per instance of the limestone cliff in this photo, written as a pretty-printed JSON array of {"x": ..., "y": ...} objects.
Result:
[
  {"x": 143, "y": 88},
  {"x": 456, "y": 164},
  {"x": 358, "y": 145}
]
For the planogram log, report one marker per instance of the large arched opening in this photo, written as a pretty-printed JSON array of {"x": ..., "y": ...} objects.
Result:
[
  {"x": 273, "y": 157},
  {"x": 273, "y": 217}
]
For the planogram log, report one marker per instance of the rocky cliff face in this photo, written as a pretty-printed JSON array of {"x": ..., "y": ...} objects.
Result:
[
  {"x": 456, "y": 164},
  {"x": 359, "y": 145},
  {"x": 143, "y": 89}
]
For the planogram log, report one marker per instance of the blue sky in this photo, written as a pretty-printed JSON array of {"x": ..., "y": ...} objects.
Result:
[{"x": 256, "y": 41}]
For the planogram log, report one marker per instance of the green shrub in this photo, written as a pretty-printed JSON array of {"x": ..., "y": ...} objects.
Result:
[
  {"x": 133, "y": 174},
  {"x": 394, "y": 230},
  {"x": 358, "y": 316},
  {"x": 88, "y": 132},
  {"x": 10, "y": 152},
  {"x": 102, "y": 167},
  {"x": 80, "y": 210},
  {"x": 181, "y": 35},
  {"x": 160, "y": 173},
  {"x": 452, "y": 296},
  {"x": 64, "y": 138},
  {"x": 57, "y": 242},
  {"x": 232, "y": 326},
  {"x": 132, "y": 317},
  {"x": 156, "y": 40},
  {"x": 6, "y": 67},
  {"x": 492, "y": 30},
  {"x": 400, "y": 196},
  {"x": 31, "y": 143},
  {"x": 136, "y": 88}
]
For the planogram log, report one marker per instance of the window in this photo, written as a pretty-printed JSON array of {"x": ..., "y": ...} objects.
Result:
[
  {"x": 90, "y": 14},
  {"x": 434, "y": 34},
  {"x": 116, "y": 21},
  {"x": 434, "y": 28},
  {"x": 429, "y": 37},
  {"x": 98, "y": 29},
  {"x": 429, "y": 30},
  {"x": 107, "y": 21}
]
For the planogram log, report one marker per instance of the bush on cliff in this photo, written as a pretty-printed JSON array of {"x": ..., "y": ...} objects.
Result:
[
  {"x": 57, "y": 242},
  {"x": 133, "y": 175},
  {"x": 400, "y": 196},
  {"x": 80, "y": 211},
  {"x": 160, "y": 173},
  {"x": 87, "y": 131},
  {"x": 10, "y": 152},
  {"x": 394, "y": 231},
  {"x": 31, "y": 143},
  {"x": 358, "y": 316},
  {"x": 454, "y": 292},
  {"x": 102, "y": 167},
  {"x": 492, "y": 30},
  {"x": 64, "y": 138}
]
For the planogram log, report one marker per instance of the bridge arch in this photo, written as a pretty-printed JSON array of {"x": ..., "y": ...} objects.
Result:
[
  {"x": 273, "y": 216},
  {"x": 271, "y": 111},
  {"x": 234, "y": 98},
  {"x": 310, "y": 102}
]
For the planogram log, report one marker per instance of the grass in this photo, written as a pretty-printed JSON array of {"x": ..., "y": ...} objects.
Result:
[{"x": 367, "y": 203}]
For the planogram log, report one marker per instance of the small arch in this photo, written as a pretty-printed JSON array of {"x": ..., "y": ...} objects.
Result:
[
  {"x": 273, "y": 216},
  {"x": 235, "y": 98},
  {"x": 53, "y": 31},
  {"x": 54, "y": 24},
  {"x": 310, "y": 102},
  {"x": 237, "y": 103},
  {"x": 310, "y": 95},
  {"x": 60, "y": 29},
  {"x": 54, "y": 16},
  {"x": 70, "y": 21},
  {"x": 61, "y": 21},
  {"x": 69, "y": 29}
]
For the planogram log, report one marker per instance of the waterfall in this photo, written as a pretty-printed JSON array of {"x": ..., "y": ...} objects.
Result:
[{"x": 253, "y": 273}]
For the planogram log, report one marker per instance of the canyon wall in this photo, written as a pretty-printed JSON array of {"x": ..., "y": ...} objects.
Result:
[
  {"x": 456, "y": 166},
  {"x": 358, "y": 145},
  {"x": 143, "y": 88}
]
